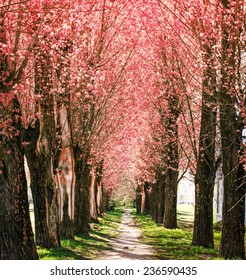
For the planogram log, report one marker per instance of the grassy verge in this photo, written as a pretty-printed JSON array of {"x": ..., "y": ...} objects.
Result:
[
  {"x": 86, "y": 246},
  {"x": 175, "y": 244}
]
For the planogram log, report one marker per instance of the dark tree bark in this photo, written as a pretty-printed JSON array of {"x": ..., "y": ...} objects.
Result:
[
  {"x": 233, "y": 229},
  {"x": 147, "y": 197},
  {"x": 158, "y": 196},
  {"x": 172, "y": 163},
  {"x": 161, "y": 204},
  {"x": 16, "y": 235},
  {"x": 154, "y": 201},
  {"x": 82, "y": 185},
  {"x": 40, "y": 163},
  {"x": 171, "y": 186},
  {"x": 106, "y": 199},
  {"x": 205, "y": 171},
  {"x": 139, "y": 199}
]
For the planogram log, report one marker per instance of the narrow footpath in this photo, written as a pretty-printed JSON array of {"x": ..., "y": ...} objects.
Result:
[{"x": 127, "y": 245}]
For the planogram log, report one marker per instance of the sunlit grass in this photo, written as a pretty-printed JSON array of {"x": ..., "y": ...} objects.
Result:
[
  {"x": 185, "y": 215},
  {"x": 176, "y": 243},
  {"x": 86, "y": 246}
]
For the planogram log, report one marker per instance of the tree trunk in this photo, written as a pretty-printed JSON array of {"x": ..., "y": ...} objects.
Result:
[
  {"x": 139, "y": 199},
  {"x": 157, "y": 201},
  {"x": 204, "y": 182},
  {"x": 40, "y": 164},
  {"x": 143, "y": 200},
  {"x": 65, "y": 179},
  {"x": 170, "y": 213},
  {"x": 82, "y": 185},
  {"x": 161, "y": 205},
  {"x": 205, "y": 171},
  {"x": 16, "y": 235},
  {"x": 231, "y": 125},
  {"x": 42, "y": 155},
  {"x": 233, "y": 214},
  {"x": 172, "y": 163},
  {"x": 154, "y": 202},
  {"x": 99, "y": 189},
  {"x": 99, "y": 198},
  {"x": 106, "y": 199},
  {"x": 147, "y": 198},
  {"x": 92, "y": 195}
]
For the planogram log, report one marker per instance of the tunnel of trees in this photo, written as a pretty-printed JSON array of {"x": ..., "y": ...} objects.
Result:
[{"x": 96, "y": 95}]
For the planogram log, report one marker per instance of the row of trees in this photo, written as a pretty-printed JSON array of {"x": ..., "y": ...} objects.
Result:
[
  {"x": 97, "y": 94},
  {"x": 198, "y": 116},
  {"x": 62, "y": 74}
]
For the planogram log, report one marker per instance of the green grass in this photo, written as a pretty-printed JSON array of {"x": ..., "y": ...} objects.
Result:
[
  {"x": 86, "y": 246},
  {"x": 176, "y": 243},
  {"x": 185, "y": 215}
]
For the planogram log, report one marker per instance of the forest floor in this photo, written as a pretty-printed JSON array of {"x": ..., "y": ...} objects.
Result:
[{"x": 127, "y": 244}]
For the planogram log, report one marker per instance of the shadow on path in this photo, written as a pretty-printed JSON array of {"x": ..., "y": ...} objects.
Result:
[{"x": 127, "y": 245}]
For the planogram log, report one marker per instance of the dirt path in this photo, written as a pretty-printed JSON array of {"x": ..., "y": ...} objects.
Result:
[{"x": 127, "y": 245}]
